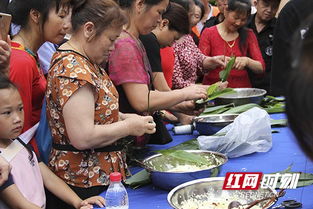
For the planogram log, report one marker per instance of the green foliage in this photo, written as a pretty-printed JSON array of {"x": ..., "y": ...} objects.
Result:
[{"x": 225, "y": 73}]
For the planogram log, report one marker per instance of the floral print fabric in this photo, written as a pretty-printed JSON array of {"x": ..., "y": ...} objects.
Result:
[
  {"x": 69, "y": 72},
  {"x": 188, "y": 62}
]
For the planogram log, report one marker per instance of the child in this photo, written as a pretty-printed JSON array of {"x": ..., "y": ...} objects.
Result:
[{"x": 29, "y": 175}]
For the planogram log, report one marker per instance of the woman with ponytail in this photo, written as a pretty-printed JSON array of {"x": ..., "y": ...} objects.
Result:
[{"x": 40, "y": 21}]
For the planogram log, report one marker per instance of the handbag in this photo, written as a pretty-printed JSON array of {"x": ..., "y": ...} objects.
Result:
[{"x": 161, "y": 135}]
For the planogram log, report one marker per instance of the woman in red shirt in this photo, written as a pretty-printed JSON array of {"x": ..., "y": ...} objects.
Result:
[
  {"x": 40, "y": 21},
  {"x": 231, "y": 38}
]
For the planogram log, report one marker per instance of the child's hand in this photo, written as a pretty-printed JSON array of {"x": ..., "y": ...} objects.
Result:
[{"x": 87, "y": 203}]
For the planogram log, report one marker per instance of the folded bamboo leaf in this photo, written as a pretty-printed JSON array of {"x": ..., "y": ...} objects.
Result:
[
  {"x": 185, "y": 156},
  {"x": 139, "y": 179},
  {"x": 280, "y": 122},
  {"x": 213, "y": 91},
  {"x": 212, "y": 88},
  {"x": 241, "y": 108},
  {"x": 225, "y": 73},
  {"x": 220, "y": 93}
]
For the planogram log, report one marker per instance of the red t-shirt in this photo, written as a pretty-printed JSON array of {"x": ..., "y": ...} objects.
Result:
[
  {"x": 25, "y": 73},
  {"x": 167, "y": 62},
  {"x": 212, "y": 44}
]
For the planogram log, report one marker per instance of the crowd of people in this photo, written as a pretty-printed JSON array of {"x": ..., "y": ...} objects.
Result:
[{"x": 121, "y": 65}]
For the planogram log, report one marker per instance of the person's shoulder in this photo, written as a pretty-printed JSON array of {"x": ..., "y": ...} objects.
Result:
[{"x": 210, "y": 30}]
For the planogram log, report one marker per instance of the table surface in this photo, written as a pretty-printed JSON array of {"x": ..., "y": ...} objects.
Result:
[{"x": 285, "y": 152}]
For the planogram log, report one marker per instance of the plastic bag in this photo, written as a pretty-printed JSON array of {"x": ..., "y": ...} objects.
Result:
[{"x": 250, "y": 132}]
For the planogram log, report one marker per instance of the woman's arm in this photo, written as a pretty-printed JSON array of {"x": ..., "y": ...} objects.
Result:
[
  {"x": 78, "y": 113},
  {"x": 60, "y": 189},
  {"x": 137, "y": 95},
  {"x": 247, "y": 62},
  {"x": 15, "y": 199},
  {"x": 255, "y": 60}
]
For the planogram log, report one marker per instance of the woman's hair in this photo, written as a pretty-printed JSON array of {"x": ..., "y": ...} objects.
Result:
[
  {"x": 128, "y": 3},
  {"x": 19, "y": 9},
  {"x": 5, "y": 83},
  {"x": 102, "y": 13},
  {"x": 241, "y": 7},
  {"x": 299, "y": 92},
  {"x": 200, "y": 4},
  {"x": 177, "y": 17},
  {"x": 184, "y": 3}
]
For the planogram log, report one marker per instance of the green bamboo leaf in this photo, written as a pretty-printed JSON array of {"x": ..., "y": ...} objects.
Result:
[
  {"x": 216, "y": 108},
  {"x": 185, "y": 156},
  {"x": 225, "y": 73},
  {"x": 188, "y": 145},
  {"x": 280, "y": 122},
  {"x": 212, "y": 88},
  {"x": 241, "y": 108},
  {"x": 139, "y": 179},
  {"x": 279, "y": 99},
  {"x": 213, "y": 91},
  {"x": 220, "y": 93}
]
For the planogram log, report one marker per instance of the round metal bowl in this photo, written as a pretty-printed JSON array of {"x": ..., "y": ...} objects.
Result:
[
  {"x": 210, "y": 124},
  {"x": 242, "y": 96},
  {"x": 209, "y": 190},
  {"x": 159, "y": 167}
]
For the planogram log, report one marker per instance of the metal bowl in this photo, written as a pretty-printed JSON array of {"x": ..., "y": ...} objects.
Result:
[
  {"x": 210, "y": 124},
  {"x": 242, "y": 96},
  {"x": 159, "y": 167},
  {"x": 209, "y": 190}
]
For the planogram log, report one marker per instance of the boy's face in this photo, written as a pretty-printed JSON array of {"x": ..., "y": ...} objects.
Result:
[
  {"x": 266, "y": 10},
  {"x": 11, "y": 113}
]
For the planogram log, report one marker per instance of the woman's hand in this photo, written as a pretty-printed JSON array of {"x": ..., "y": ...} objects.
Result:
[
  {"x": 139, "y": 125},
  {"x": 89, "y": 202},
  {"x": 215, "y": 62},
  {"x": 194, "y": 92},
  {"x": 5, "y": 52},
  {"x": 241, "y": 63}
]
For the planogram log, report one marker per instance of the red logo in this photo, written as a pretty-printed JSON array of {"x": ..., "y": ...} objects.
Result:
[{"x": 242, "y": 180}]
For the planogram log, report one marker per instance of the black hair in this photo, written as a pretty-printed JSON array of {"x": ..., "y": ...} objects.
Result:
[
  {"x": 299, "y": 92},
  {"x": 200, "y": 4},
  {"x": 5, "y": 83},
  {"x": 273, "y": 2},
  {"x": 243, "y": 7},
  {"x": 103, "y": 13},
  {"x": 128, "y": 3},
  {"x": 19, "y": 9},
  {"x": 184, "y": 3},
  {"x": 178, "y": 18}
]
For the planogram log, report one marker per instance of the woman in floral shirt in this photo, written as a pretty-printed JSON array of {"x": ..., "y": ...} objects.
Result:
[{"x": 82, "y": 104}]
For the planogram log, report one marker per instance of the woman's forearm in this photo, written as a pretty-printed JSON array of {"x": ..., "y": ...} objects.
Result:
[{"x": 255, "y": 66}]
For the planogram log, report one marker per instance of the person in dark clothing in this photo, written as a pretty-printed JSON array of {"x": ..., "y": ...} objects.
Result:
[
  {"x": 288, "y": 23},
  {"x": 214, "y": 20},
  {"x": 263, "y": 24},
  {"x": 299, "y": 94},
  {"x": 4, "y": 5}
]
